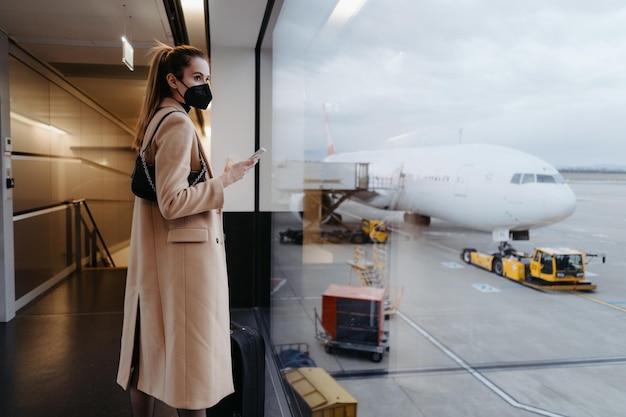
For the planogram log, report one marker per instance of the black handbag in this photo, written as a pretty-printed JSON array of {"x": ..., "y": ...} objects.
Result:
[{"x": 142, "y": 178}]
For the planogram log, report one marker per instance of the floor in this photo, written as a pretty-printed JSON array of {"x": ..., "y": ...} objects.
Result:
[{"x": 59, "y": 356}]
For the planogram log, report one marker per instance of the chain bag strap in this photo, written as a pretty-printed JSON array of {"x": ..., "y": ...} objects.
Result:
[{"x": 142, "y": 178}]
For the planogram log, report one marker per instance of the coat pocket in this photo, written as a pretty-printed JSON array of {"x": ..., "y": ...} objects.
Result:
[{"x": 187, "y": 235}]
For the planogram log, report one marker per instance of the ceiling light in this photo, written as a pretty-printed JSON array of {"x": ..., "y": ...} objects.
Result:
[{"x": 128, "y": 53}]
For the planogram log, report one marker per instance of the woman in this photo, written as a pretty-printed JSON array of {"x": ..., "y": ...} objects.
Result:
[{"x": 175, "y": 338}]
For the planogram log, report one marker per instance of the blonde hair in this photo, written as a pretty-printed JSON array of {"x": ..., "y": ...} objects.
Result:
[{"x": 166, "y": 59}]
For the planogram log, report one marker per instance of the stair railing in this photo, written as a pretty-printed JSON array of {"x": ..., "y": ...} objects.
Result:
[{"x": 87, "y": 238}]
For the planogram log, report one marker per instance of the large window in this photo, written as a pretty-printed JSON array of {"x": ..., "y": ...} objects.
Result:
[{"x": 419, "y": 115}]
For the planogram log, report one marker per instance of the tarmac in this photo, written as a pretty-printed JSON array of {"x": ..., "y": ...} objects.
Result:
[{"x": 465, "y": 342}]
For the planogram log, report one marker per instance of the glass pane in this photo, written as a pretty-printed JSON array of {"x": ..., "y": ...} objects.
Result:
[
  {"x": 41, "y": 250},
  {"x": 443, "y": 79}
]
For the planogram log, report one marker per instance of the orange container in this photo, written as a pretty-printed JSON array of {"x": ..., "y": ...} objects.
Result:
[{"x": 353, "y": 314}]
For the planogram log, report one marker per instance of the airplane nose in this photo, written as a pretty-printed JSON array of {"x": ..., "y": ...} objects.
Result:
[{"x": 560, "y": 203}]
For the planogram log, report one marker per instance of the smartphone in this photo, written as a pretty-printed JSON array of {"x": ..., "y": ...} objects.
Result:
[{"x": 257, "y": 154}]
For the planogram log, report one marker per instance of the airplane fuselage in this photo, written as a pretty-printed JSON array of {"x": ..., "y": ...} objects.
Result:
[{"x": 483, "y": 187}]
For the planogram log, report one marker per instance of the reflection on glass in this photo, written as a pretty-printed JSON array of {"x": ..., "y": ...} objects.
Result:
[
  {"x": 63, "y": 150},
  {"x": 422, "y": 74}
]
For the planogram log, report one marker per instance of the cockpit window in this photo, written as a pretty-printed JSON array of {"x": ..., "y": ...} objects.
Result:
[
  {"x": 538, "y": 178},
  {"x": 545, "y": 179}
]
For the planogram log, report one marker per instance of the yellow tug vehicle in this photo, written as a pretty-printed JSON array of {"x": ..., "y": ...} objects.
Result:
[{"x": 548, "y": 269}]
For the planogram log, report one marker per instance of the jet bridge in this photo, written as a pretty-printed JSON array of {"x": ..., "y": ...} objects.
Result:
[
  {"x": 324, "y": 185},
  {"x": 325, "y": 176}
]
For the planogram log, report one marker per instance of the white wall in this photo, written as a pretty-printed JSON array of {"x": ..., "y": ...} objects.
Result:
[{"x": 232, "y": 119}]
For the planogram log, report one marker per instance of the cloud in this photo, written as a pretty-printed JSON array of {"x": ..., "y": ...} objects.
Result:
[{"x": 546, "y": 77}]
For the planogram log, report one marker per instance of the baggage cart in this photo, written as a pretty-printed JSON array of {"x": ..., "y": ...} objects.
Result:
[
  {"x": 353, "y": 318},
  {"x": 319, "y": 394}
]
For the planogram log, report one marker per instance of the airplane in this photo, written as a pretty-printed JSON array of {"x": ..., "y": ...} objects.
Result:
[{"x": 482, "y": 187}]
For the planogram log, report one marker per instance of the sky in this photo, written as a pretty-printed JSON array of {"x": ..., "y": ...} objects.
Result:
[{"x": 545, "y": 77}]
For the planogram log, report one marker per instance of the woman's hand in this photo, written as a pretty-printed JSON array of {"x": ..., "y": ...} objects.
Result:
[{"x": 234, "y": 171}]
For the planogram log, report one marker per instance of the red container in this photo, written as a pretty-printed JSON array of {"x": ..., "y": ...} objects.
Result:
[{"x": 353, "y": 314}]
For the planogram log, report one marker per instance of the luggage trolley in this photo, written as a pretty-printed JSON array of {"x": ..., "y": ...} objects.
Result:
[{"x": 353, "y": 318}]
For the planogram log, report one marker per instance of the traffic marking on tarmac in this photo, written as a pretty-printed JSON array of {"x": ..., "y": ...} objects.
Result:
[
  {"x": 485, "y": 288},
  {"x": 604, "y": 303},
  {"x": 452, "y": 265}
]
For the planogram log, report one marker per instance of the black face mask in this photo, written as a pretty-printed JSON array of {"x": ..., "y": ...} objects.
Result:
[{"x": 198, "y": 96}]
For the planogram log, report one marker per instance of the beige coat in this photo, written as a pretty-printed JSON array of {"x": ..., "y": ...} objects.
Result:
[{"x": 177, "y": 285}]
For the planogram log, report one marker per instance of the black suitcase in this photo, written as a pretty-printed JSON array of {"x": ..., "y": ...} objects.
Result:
[{"x": 248, "y": 352}]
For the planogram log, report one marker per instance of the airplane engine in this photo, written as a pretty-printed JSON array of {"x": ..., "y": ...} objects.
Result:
[{"x": 417, "y": 219}]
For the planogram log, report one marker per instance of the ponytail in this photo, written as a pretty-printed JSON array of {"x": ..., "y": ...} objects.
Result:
[{"x": 166, "y": 59}]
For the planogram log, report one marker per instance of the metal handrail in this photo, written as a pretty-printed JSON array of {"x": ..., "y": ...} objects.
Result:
[{"x": 93, "y": 237}]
